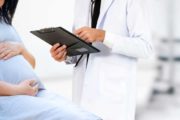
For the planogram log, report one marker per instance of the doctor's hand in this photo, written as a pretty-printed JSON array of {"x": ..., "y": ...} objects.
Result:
[
  {"x": 10, "y": 49},
  {"x": 58, "y": 52},
  {"x": 90, "y": 35}
]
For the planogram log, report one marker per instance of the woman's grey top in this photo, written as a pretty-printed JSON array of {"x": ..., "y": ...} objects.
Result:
[{"x": 15, "y": 69}]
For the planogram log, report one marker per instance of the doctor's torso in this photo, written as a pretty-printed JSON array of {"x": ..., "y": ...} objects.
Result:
[
  {"x": 107, "y": 85},
  {"x": 106, "y": 66}
]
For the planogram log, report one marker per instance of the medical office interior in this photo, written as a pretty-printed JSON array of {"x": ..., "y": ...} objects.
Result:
[{"x": 158, "y": 81}]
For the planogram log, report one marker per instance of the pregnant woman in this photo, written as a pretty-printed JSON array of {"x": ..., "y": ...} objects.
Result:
[{"x": 22, "y": 95}]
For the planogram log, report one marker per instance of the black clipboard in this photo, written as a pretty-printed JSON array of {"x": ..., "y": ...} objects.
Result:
[{"x": 75, "y": 45}]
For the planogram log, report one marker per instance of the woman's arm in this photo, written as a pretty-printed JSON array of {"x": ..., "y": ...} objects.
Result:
[
  {"x": 28, "y": 56},
  {"x": 7, "y": 89},
  {"x": 24, "y": 88},
  {"x": 11, "y": 49}
]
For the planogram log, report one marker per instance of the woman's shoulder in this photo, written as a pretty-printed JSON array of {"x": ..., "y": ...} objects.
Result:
[
  {"x": 4, "y": 26},
  {"x": 8, "y": 32}
]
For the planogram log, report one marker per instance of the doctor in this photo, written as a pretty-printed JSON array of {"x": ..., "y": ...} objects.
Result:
[{"x": 105, "y": 82}]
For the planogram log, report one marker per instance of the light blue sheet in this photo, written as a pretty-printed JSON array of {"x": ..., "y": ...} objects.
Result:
[{"x": 45, "y": 106}]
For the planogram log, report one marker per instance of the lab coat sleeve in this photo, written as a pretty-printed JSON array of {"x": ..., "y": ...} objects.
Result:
[{"x": 137, "y": 44}]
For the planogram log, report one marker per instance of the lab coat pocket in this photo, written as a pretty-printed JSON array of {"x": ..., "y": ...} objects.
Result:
[{"x": 113, "y": 82}]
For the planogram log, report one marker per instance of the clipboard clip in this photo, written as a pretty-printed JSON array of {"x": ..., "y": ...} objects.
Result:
[{"x": 46, "y": 30}]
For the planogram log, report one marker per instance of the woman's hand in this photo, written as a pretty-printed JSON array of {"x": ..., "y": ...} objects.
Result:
[
  {"x": 90, "y": 35},
  {"x": 59, "y": 53},
  {"x": 10, "y": 49},
  {"x": 27, "y": 87}
]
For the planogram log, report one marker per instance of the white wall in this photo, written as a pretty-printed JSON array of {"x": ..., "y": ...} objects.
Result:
[
  {"x": 36, "y": 14},
  {"x": 177, "y": 18},
  {"x": 159, "y": 10}
]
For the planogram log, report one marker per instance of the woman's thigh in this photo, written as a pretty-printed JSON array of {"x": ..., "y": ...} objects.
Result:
[
  {"x": 66, "y": 104},
  {"x": 40, "y": 108},
  {"x": 50, "y": 96},
  {"x": 29, "y": 108}
]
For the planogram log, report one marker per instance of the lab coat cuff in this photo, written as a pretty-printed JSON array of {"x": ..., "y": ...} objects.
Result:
[
  {"x": 70, "y": 60},
  {"x": 117, "y": 43},
  {"x": 108, "y": 41}
]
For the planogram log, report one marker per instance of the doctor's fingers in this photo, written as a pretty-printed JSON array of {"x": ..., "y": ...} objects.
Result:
[
  {"x": 84, "y": 36},
  {"x": 65, "y": 55},
  {"x": 54, "y": 47},
  {"x": 61, "y": 56},
  {"x": 59, "y": 50},
  {"x": 88, "y": 37},
  {"x": 83, "y": 33},
  {"x": 80, "y": 30}
]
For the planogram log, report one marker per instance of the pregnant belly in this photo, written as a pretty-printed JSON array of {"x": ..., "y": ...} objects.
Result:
[{"x": 16, "y": 69}]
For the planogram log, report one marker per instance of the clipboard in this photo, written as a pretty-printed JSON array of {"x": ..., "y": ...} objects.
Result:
[{"x": 75, "y": 45}]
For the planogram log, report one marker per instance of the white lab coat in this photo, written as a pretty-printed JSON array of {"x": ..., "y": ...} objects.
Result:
[{"x": 107, "y": 86}]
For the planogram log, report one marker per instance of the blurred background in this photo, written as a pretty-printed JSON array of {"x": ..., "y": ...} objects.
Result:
[{"x": 158, "y": 82}]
